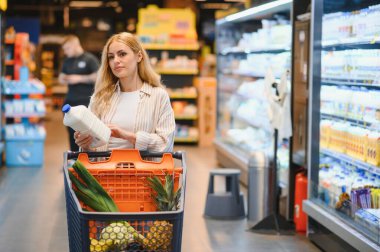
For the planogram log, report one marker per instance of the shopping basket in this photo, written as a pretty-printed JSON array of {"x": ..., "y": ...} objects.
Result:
[{"x": 123, "y": 174}]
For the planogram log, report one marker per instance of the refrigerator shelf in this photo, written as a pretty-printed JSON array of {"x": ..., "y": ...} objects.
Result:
[
  {"x": 352, "y": 121},
  {"x": 348, "y": 43},
  {"x": 352, "y": 83},
  {"x": 352, "y": 161},
  {"x": 280, "y": 49},
  {"x": 339, "y": 227}
]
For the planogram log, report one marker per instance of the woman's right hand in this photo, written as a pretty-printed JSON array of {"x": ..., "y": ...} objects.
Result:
[{"x": 82, "y": 140}]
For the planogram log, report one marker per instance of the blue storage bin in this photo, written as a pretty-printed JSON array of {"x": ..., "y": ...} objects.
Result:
[{"x": 24, "y": 152}]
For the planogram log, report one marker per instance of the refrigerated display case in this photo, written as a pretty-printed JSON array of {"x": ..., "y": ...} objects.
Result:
[
  {"x": 252, "y": 46},
  {"x": 344, "y": 130}
]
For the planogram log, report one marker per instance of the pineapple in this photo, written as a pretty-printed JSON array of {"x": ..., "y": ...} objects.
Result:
[
  {"x": 159, "y": 236},
  {"x": 164, "y": 196},
  {"x": 161, "y": 232},
  {"x": 98, "y": 246},
  {"x": 119, "y": 234}
]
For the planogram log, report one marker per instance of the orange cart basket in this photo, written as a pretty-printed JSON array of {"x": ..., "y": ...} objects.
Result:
[{"x": 123, "y": 174}]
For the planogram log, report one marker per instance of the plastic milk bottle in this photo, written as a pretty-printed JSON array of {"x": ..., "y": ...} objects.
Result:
[{"x": 81, "y": 119}]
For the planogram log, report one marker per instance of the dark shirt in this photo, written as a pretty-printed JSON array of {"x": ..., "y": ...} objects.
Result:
[{"x": 84, "y": 64}]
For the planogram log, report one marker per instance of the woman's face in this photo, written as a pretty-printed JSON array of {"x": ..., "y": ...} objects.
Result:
[{"x": 122, "y": 60}]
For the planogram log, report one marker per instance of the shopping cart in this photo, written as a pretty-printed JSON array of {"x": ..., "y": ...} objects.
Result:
[{"x": 123, "y": 174}]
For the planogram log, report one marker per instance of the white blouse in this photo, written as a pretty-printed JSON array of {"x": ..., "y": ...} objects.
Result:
[
  {"x": 125, "y": 117},
  {"x": 155, "y": 124}
]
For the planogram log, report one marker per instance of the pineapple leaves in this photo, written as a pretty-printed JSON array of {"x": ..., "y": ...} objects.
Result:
[{"x": 163, "y": 194}]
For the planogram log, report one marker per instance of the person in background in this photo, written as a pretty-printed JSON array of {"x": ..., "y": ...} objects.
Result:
[
  {"x": 130, "y": 99},
  {"x": 79, "y": 71}
]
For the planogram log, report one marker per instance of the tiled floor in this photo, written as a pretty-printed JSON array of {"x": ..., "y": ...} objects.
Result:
[{"x": 33, "y": 213}]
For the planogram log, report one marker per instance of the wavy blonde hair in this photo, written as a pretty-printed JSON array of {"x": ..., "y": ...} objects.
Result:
[{"x": 106, "y": 80}]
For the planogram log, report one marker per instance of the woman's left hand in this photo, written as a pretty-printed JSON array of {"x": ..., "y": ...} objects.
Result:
[{"x": 118, "y": 132}]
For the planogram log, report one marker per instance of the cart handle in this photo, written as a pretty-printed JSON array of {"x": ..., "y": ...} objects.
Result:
[{"x": 143, "y": 154}]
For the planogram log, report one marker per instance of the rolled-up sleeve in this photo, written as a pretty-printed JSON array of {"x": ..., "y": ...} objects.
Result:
[{"x": 162, "y": 138}]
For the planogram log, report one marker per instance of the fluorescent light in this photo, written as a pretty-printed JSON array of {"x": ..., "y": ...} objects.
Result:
[
  {"x": 84, "y": 4},
  {"x": 257, "y": 9}
]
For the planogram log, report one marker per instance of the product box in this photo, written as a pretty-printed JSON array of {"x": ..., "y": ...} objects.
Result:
[{"x": 24, "y": 152}]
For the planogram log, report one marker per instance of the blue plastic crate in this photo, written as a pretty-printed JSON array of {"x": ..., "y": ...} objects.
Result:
[{"x": 22, "y": 152}]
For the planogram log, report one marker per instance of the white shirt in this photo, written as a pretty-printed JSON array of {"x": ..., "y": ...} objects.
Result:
[
  {"x": 125, "y": 118},
  {"x": 154, "y": 125}
]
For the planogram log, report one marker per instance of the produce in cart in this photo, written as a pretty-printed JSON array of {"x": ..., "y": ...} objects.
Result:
[
  {"x": 117, "y": 235},
  {"x": 164, "y": 196},
  {"x": 134, "y": 212},
  {"x": 161, "y": 232}
]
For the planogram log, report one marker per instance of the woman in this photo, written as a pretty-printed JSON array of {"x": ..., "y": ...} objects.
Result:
[{"x": 130, "y": 99}]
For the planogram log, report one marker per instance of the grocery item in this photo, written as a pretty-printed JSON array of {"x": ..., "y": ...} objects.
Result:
[
  {"x": 118, "y": 235},
  {"x": 159, "y": 236},
  {"x": 164, "y": 196},
  {"x": 89, "y": 191},
  {"x": 81, "y": 119}
]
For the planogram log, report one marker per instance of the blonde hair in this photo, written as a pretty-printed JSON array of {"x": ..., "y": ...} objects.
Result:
[
  {"x": 106, "y": 80},
  {"x": 70, "y": 38}
]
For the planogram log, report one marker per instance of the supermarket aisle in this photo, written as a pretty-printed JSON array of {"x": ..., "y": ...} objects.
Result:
[{"x": 33, "y": 216}]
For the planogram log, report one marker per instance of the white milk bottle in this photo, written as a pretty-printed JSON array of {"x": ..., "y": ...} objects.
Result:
[{"x": 81, "y": 119}]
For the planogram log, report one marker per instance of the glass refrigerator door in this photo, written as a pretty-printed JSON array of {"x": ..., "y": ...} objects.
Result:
[
  {"x": 344, "y": 149},
  {"x": 249, "y": 48}
]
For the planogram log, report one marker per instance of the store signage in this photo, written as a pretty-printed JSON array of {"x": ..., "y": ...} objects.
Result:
[{"x": 3, "y": 5}]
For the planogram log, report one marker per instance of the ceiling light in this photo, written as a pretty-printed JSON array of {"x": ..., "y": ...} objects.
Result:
[
  {"x": 261, "y": 9},
  {"x": 85, "y": 4}
]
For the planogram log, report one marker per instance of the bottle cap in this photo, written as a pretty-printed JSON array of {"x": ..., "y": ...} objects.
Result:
[{"x": 66, "y": 108}]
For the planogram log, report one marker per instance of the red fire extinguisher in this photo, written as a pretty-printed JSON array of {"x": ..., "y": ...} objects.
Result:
[{"x": 300, "y": 218}]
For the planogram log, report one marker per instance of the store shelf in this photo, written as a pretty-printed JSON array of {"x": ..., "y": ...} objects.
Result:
[
  {"x": 355, "y": 122},
  {"x": 183, "y": 96},
  {"x": 185, "y": 140},
  {"x": 9, "y": 62},
  {"x": 352, "y": 161},
  {"x": 359, "y": 83},
  {"x": 177, "y": 71},
  {"x": 339, "y": 227},
  {"x": 243, "y": 74},
  {"x": 234, "y": 75},
  {"x": 179, "y": 47},
  {"x": 23, "y": 88},
  {"x": 9, "y": 41},
  {"x": 185, "y": 117},
  {"x": 238, "y": 51},
  {"x": 351, "y": 43},
  {"x": 25, "y": 115}
]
